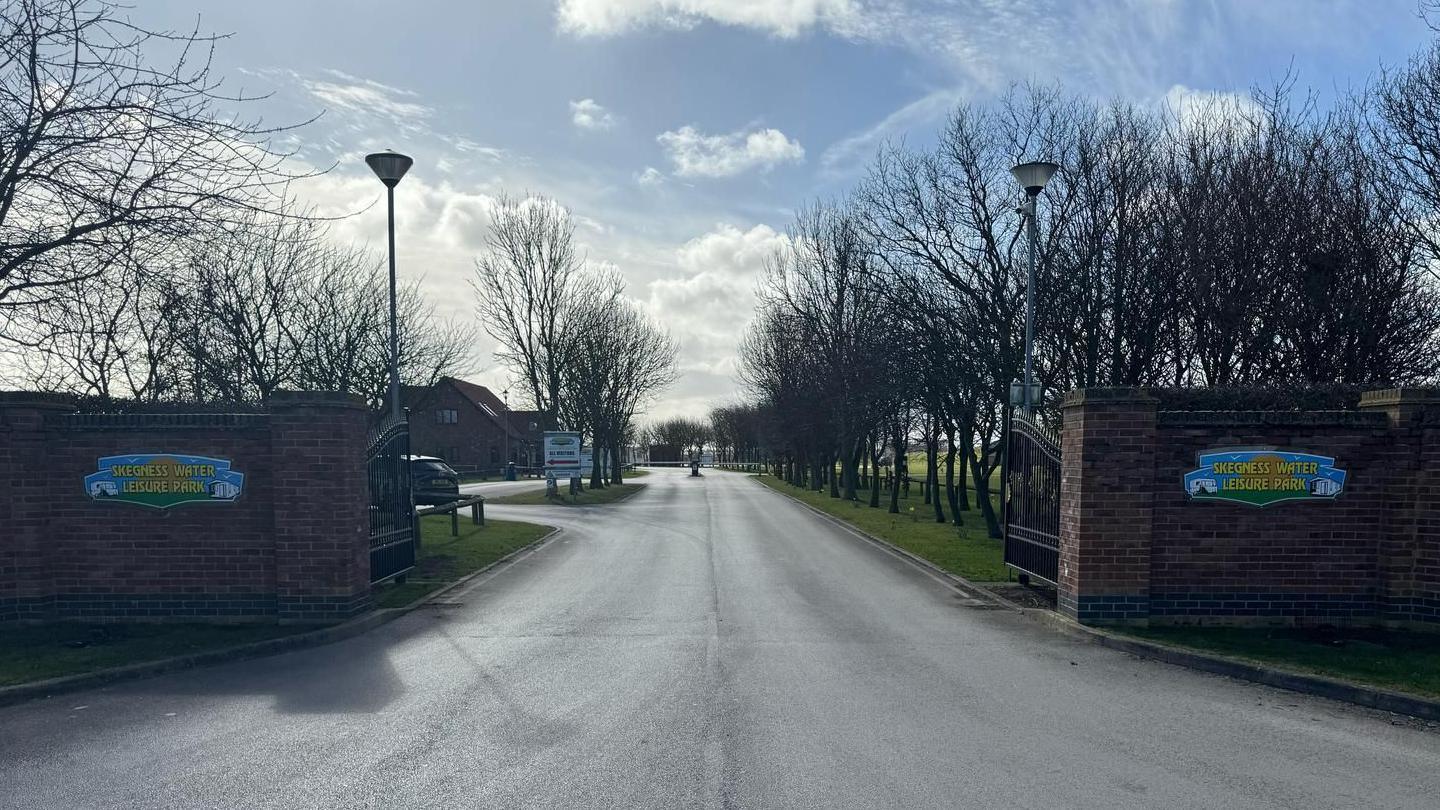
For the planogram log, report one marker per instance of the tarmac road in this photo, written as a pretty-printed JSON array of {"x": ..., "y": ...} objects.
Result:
[{"x": 707, "y": 643}]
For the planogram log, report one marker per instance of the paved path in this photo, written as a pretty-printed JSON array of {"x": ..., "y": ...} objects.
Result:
[{"x": 707, "y": 644}]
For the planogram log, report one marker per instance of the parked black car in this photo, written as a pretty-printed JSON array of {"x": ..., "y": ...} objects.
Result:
[{"x": 433, "y": 480}]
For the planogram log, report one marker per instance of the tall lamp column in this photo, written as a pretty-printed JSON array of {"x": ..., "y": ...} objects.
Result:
[
  {"x": 390, "y": 167},
  {"x": 1032, "y": 177}
]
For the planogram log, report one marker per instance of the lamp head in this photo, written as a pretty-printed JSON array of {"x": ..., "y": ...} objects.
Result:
[
  {"x": 389, "y": 166},
  {"x": 1034, "y": 175}
]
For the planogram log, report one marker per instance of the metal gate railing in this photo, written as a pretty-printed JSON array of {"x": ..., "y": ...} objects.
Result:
[
  {"x": 392, "y": 502},
  {"x": 1032, "y": 498}
]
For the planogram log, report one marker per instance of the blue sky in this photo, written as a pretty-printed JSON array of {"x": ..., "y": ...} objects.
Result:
[{"x": 682, "y": 133}]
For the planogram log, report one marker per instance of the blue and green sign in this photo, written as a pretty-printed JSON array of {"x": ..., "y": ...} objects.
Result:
[
  {"x": 163, "y": 480},
  {"x": 1260, "y": 477}
]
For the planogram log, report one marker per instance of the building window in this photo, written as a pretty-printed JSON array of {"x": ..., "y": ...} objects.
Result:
[{"x": 447, "y": 416}]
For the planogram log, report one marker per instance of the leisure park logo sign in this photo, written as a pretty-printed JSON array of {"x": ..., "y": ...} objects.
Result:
[
  {"x": 163, "y": 480},
  {"x": 1261, "y": 477}
]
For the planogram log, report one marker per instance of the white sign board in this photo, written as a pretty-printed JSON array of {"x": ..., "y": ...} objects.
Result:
[
  {"x": 587, "y": 459},
  {"x": 707, "y": 459},
  {"x": 562, "y": 454}
]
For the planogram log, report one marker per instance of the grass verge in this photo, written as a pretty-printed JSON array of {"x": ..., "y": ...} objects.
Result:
[
  {"x": 1392, "y": 659},
  {"x": 444, "y": 559},
  {"x": 34, "y": 653},
  {"x": 589, "y": 497},
  {"x": 962, "y": 550}
]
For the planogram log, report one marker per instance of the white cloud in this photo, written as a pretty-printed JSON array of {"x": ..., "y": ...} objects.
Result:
[
  {"x": 707, "y": 305},
  {"x": 854, "y": 152},
  {"x": 1208, "y": 108},
  {"x": 650, "y": 177},
  {"x": 367, "y": 97},
  {"x": 462, "y": 144},
  {"x": 696, "y": 154},
  {"x": 785, "y": 18},
  {"x": 589, "y": 114}
]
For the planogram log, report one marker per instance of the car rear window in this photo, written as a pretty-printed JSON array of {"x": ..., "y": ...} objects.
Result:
[{"x": 433, "y": 467}]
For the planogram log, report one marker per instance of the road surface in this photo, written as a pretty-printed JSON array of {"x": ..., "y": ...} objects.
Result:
[{"x": 708, "y": 643}]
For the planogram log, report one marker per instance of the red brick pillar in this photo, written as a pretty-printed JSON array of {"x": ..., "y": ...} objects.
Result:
[
  {"x": 322, "y": 540},
  {"x": 27, "y": 587},
  {"x": 1107, "y": 485},
  {"x": 1409, "y": 558}
]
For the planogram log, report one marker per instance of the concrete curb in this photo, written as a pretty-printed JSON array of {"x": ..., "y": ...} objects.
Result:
[
  {"x": 1318, "y": 685},
  {"x": 364, "y": 623}
]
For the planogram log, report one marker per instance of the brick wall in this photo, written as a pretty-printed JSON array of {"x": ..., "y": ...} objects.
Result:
[
  {"x": 1134, "y": 548},
  {"x": 1318, "y": 559},
  {"x": 292, "y": 547}
]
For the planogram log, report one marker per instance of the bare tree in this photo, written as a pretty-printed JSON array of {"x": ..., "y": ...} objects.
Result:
[
  {"x": 641, "y": 363},
  {"x": 341, "y": 332},
  {"x": 115, "y": 336},
  {"x": 110, "y": 133},
  {"x": 1408, "y": 131},
  {"x": 527, "y": 283},
  {"x": 824, "y": 282}
]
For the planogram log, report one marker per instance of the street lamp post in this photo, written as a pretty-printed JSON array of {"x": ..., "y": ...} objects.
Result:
[
  {"x": 1032, "y": 176},
  {"x": 390, "y": 167},
  {"x": 506, "y": 432}
]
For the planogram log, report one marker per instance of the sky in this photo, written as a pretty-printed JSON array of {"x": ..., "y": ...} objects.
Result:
[{"x": 683, "y": 134}]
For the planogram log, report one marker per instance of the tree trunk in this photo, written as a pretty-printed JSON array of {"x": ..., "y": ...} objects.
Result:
[
  {"x": 874, "y": 462},
  {"x": 932, "y": 472},
  {"x": 850, "y": 465},
  {"x": 895, "y": 480},
  {"x": 617, "y": 465},
  {"x": 967, "y": 448},
  {"x": 950, "y": 497},
  {"x": 597, "y": 459},
  {"x": 982, "y": 496}
]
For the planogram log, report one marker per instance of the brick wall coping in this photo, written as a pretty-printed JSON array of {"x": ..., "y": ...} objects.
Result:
[
  {"x": 1373, "y": 419},
  {"x": 1105, "y": 396},
  {"x": 317, "y": 399},
  {"x": 156, "y": 421},
  {"x": 37, "y": 399},
  {"x": 1398, "y": 396}
]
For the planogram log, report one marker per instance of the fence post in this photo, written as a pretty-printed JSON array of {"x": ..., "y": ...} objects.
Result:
[
  {"x": 454, "y": 521},
  {"x": 477, "y": 513}
]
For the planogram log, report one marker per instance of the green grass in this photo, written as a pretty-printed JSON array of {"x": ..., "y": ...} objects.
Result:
[
  {"x": 1393, "y": 659},
  {"x": 589, "y": 497},
  {"x": 32, "y": 653},
  {"x": 963, "y": 550},
  {"x": 444, "y": 559}
]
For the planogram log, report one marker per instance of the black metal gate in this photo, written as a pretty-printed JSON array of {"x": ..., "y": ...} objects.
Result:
[
  {"x": 392, "y": 503},
  {"x": 1032, "y": 498}
]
